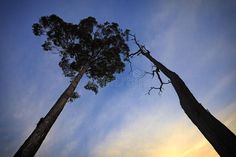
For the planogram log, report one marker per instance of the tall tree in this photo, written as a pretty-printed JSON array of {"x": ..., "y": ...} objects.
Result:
[
  {"x": 219, "y": 136},
  {"x": 98, "y": 51}
]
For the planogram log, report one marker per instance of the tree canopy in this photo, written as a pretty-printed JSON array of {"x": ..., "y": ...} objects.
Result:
[{"x": 101, "y": 48}]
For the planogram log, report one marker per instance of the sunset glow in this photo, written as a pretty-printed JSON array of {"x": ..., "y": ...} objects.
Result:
[{"x": 194, "y": 38}]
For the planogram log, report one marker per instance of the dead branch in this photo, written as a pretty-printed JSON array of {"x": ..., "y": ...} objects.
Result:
[
  {"x": 160, "y": 88},
  {"x": 130, "y": 65},
  {"x": 135, "y": 53},
  {"x": 144, "y": 51},
  {"x": 152, "y": 88},
  {"x": 150, "y": 73}
]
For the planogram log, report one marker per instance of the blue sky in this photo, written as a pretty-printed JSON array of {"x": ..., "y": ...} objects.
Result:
[{"x": 195, "y": 38}]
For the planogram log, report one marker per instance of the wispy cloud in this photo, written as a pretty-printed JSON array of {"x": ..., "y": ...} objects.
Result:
[
  {"x": 121, "y": 120},
  {"x": 147, "y": 136},
  {"x": 222, "y": 84},
  {"x": 28, "y": 102}
]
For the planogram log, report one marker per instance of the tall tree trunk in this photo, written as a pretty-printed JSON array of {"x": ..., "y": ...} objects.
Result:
[
  {"x": 220, "y": 137},
  {"x": 33, "y": 142}
]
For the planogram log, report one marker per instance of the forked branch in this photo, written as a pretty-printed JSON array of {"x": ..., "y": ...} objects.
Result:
[
  {"x": 160, "y": 88},
  {"x": 143, "y": 50}
]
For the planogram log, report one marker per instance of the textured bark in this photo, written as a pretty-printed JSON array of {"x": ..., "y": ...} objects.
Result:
[
  {"x": 220, "y": 137},
  {"x": 33, "y": 142}
]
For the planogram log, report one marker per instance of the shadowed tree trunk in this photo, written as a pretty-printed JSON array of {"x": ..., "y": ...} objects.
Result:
[
  {"x": 32, "y": 144},
  {"x": 220, "y": 137}
]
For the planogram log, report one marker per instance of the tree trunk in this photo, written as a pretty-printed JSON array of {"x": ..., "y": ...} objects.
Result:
[
  {"x": 220, "y": 137},
  {"x": 33, "y": 142}
]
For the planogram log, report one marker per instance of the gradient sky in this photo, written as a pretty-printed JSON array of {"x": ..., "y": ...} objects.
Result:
[{"x": 195, "y": 38}]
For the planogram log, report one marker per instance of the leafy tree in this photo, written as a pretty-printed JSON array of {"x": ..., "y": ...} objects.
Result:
[
  {"x": 219, "y": 136},
  {"x": 98, "y": 51}
]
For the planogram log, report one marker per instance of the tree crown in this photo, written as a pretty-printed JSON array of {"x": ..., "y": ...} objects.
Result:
[{"x": 102, "y": 48}]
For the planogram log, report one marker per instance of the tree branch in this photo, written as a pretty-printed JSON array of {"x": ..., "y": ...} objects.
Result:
[
  {"x": 150, "y": 73},
  {"x": 144, "y": 51},
  {"x": 135, "y": 53},
  {"x": 142, "y": 48},
  {"x": 160, "y": 88},
  {"x": 130, "y": 65},
  {"x": 151, "y": 88}
]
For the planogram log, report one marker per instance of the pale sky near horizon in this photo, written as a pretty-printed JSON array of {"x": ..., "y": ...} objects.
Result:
[{"x": 194, "y": 38}]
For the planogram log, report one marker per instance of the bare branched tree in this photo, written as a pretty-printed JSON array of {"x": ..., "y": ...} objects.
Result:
[{"x": 219, "y": 136}]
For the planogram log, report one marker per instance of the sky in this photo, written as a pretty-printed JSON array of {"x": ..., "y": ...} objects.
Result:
[{"x": 194, "y": 38}]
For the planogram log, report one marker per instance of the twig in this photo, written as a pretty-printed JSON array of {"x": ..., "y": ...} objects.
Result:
[
  {"x": 144, "y": 51},
  {"x": 130, "y": 65},
  {"x": 151, "y": 88},
  {"x": 160, "y": 88},
  {"x": 151, "y": 73},
  {"x": 135, "y": 53}
]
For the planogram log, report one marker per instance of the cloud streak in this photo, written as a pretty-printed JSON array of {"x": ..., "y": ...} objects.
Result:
[
  {"x": 193, "y": 38},
  {"x": 147, "y": 136}
]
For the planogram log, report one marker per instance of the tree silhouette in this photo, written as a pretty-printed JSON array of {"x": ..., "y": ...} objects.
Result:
[
  {"x": 98, "y": 51},
  {"x": 219, "y": 136}
]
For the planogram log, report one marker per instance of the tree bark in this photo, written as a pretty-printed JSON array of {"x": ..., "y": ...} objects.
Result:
[
  {"x": 219, "y": 136},
  {"x": 33, "y": 142}
]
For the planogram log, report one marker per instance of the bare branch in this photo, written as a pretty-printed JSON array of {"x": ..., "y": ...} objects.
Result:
[
  {"x": 152, "y": 88},
  {"x": 136, "y": 42},
  {"x": 160, "y": 88},
  {"x": 150, "y": 73},
  {"x": 135, "y": 53},
  {"x": 130, "y": 65},
  {"x": 144, "y": 51}
]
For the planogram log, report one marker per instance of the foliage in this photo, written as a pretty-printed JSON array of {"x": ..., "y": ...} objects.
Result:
[
  {"x": 73, "y": 97},
  {"x": 91, "y": 86},
  {"x": 101, "y": 48}
]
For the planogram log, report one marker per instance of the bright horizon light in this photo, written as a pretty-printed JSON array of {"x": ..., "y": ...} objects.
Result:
[{"x": 194, "y": 38}]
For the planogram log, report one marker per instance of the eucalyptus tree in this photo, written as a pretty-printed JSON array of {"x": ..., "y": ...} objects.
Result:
[
  {"x": 97, "y": 51},
  {"x": 219, "y": 136}
]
